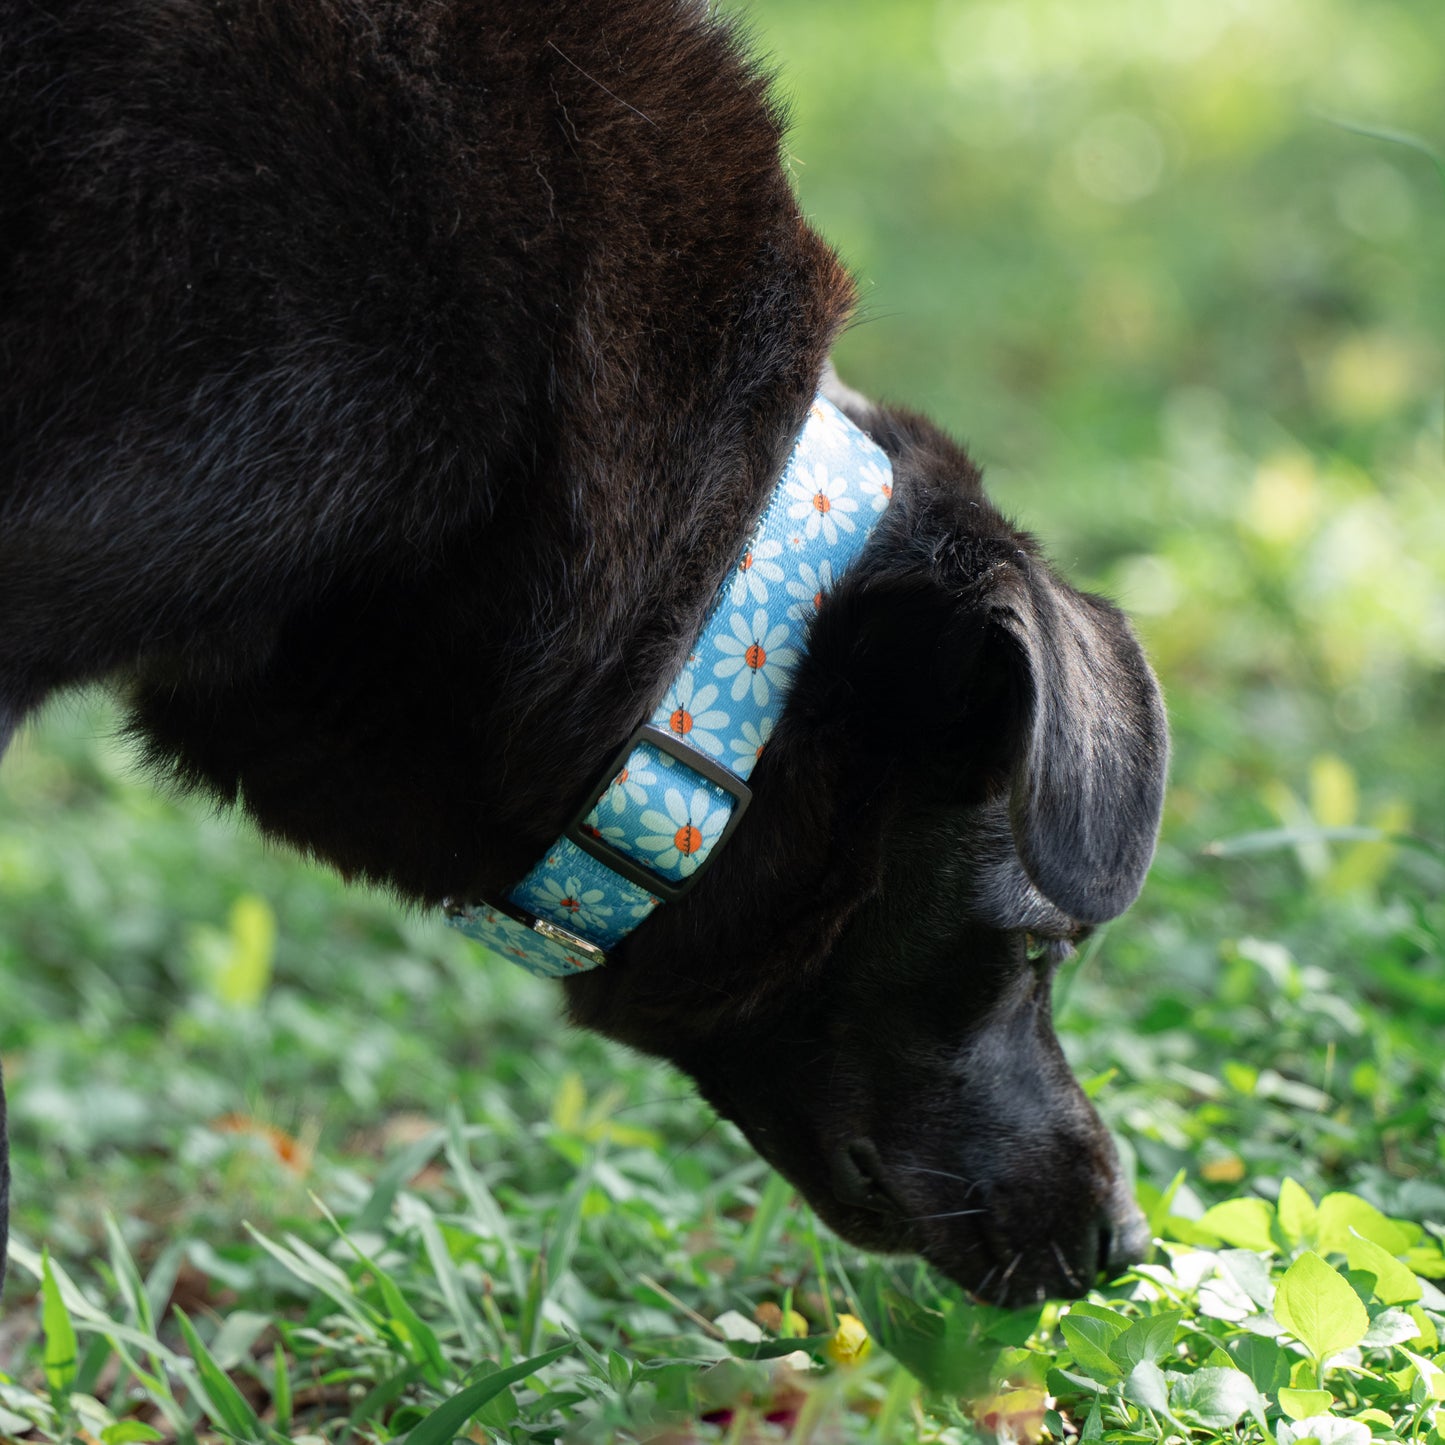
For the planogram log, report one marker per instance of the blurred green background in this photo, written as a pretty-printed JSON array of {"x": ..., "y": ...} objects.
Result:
[
  {"x": 1174, "y": 270},
  {"x": 1140, "y": 255}
]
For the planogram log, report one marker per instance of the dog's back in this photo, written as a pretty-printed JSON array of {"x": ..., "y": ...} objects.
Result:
[{"x": 294, "y": 298}]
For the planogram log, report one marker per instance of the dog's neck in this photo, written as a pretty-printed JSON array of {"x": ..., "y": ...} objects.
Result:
[{"x": 673, "y": 795}]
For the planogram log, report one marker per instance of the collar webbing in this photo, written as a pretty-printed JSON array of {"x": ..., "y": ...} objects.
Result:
[{"x": 673, "y": 795}]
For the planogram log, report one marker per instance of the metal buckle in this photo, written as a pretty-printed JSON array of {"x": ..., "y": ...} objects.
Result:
[
  {"x": 594, "y": 955},
  {"x": 665, "y": 889}
]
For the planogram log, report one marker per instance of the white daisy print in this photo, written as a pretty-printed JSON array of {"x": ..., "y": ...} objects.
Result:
[
  {"x": 749, "y": 744},
  {"x": 755, "y": 657},
  {"x": 820, "y": 501},
  {"x": 687, "y": 712},
  {"x": 756, "y": 572},
  {"x": 876, "y": 483},
  {"x": 568, "y": 902},
  {"x": 808, "y": 587},
  {"x": 630, "y": 785},
  {"x": 830, "y": 427},
  {"x": 636, "y": 912},
  {"x": 680, "y": 838}
]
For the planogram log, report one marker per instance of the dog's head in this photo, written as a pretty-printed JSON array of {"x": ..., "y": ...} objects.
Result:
[{"x": 967, "y": 778}]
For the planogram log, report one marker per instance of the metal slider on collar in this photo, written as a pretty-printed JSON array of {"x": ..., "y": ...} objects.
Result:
[{"x": 588, "y": 952}]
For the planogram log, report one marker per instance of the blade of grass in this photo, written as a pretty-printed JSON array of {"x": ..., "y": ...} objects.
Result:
[
  {"x": 1273, "y": 840},
  {"x": 770, "y": 1209},
  {"x": 446, "y": 1421},
  {"x": 323, "y": 1276},
  {"x": 61, "y": 1352},
  {"x": 216, "y": 1392},
  {"x": 415, "y": 1338},
  {"x": 128, "y": 1279},
  {"x": 481, "y": 1203},
  {"x": 402, "y": 1167},
  {"x": 281, "y": 1388},
  {"x": 449, "y": 1280}
]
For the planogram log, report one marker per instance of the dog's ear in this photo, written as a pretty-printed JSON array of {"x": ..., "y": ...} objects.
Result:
[
  {"x": 999, "y": 682},
  {"x": 1087, "y": 744}
]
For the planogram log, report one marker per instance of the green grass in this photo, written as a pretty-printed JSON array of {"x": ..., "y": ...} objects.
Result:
[{"x": 1191, "y": 325}]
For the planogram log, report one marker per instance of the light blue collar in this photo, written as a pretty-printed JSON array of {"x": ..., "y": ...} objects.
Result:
[{"x": 676, "y": 791}]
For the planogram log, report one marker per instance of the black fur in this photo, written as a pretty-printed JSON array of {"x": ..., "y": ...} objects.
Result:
[{"x": 386, "y": 386}]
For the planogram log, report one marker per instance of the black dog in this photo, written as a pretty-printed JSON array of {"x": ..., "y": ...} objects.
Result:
[{"x": 386, "y": 389}]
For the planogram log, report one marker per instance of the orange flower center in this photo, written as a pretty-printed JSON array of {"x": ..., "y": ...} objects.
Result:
[
  {"x": 571, "y": 905},
  {"x": 888, "y": 489},
  {"x": 622, "y": 776},
  {"x": 755, "y": 657},
  {"x": 817, "y": 599},
  {"x": 821, "y": 502},
  {"x": 687, "y": 840},
  {"x": 746, "y": 562},
  {"x": 680, "y": 721}
]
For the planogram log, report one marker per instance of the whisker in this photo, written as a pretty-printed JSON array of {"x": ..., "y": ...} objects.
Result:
[
  {"x": 653, "y": 1103},
  {"x": 940, "y": 1173},
  {"x": 671, "y": 1162},
  {"x": 1072, "y": 1278},
  {"x": 950, "y": 1214},
  {"x": 1008, "y": 1275}
]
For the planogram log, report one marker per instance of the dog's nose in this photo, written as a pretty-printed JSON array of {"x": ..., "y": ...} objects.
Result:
[{"x": 1124, "y": 1239}]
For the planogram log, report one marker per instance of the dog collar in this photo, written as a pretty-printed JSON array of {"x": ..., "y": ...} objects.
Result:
[{"x": 676, "y": 791}]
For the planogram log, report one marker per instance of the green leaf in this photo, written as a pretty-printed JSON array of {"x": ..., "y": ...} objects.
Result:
[
  {"x": 60, "y": 1345},
  {"x": 1298, "y": 1218},
  {"x": 1301, "y": 1404},
  {"x": 1326, "y": 1430},
  {"x": 1146, "y": 1340},
  {"x": 1244, "y": 1223},
  {"x": 1394, "y": 1283},
  {"x": 242, "y": 979},
  {"x": 1262, "y": 1360},
  {"x": 1216, "y": 1396},
  {"x": 446, "y": 1421},
  {"x": 1158, "y": 1210},
  {"x": 1429, "y": 1385},
  {"x": 1117, "y": 1321},
  {"x": 1316, "y": 1305},
  {"x": 1429, "y": 1336},
  {"x": 1250, "y": 1273},
  {"x": 1340, "y": 1214},
  {"x": 129, "y": 1432},
  {"x": 1147, "y": 1386},
  {"x": 1089, "y": 1341}
]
